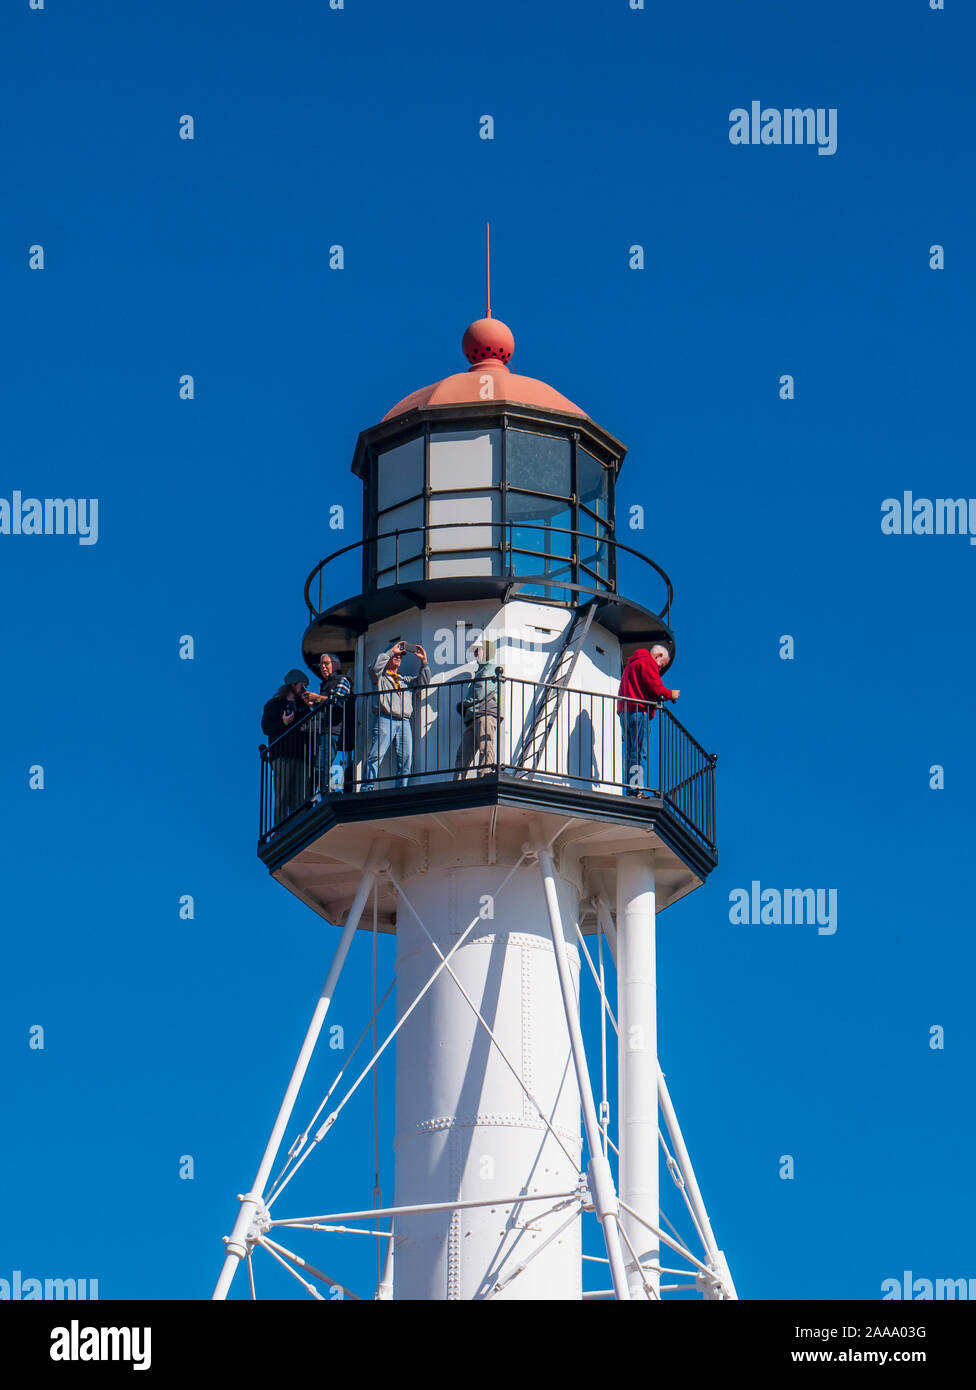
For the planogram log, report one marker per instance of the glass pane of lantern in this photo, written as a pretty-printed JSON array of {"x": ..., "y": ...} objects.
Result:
[
  {"x": 551, "y": 521},
  {"x": 594, "y": 556},
  {"x": 547, "y": 591},
  {"x": 540, "y": 462},
  {"x": 399, "y": 474},
  {"x": 541, "y": 525},
  {"x": 399, "y": 518},
  {"x": 409, "y": 570},
  {"x": 593, "y": 547},
  {"x": 593, "y": 481},
  {"x": 465, "y": 458},
  {"x": 594, "y": 537}
]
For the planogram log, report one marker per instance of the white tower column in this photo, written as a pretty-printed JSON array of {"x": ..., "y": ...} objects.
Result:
[
  {"x": 638, "y": 1065},
  {"x": 465, "y": 1127}
]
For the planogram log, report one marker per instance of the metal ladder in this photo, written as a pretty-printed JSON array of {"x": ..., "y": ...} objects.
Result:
[{"x": 557, "y": 679}]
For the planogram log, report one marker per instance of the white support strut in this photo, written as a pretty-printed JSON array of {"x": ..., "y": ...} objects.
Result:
[
  {"x": 723, "y": 1285},
  {"x": 598, "y": 1170},
  {"x": 637, "y": 1061},
  {"x": 715, "y": 1256},
  {"x": 252, "y": 1200}
]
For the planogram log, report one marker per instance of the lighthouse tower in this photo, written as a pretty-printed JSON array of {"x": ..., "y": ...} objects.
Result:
[{"x": 508, "y": 839}]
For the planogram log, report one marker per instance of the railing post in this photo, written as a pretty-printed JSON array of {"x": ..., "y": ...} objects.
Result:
[
  {"x": 500, "y": 721},
  {"x": 359, "y": 745}
]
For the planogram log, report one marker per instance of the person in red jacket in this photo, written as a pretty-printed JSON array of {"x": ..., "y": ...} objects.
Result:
[{"x": 641, "y": 690}]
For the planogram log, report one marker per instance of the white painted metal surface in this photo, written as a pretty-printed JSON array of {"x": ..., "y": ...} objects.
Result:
[
  {"x": 585, "y": 742},
  {"x": 637, "y": 1058},
  {"x": 465, "y": 1127}
]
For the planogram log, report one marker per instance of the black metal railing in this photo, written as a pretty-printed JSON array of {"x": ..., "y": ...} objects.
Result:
[
  {"x": 556, "y": 574},
  {"x": 514, "y": 729}
]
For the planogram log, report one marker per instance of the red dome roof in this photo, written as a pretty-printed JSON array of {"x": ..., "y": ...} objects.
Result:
[{"x": 488, "y": 344}]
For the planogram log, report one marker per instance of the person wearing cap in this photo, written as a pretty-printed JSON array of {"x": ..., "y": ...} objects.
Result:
[
  {"x": 392, "y": 712},
  {"x": 479, "y": 714},
  {"x": 641, "y": 692},
  {"x": 286, "y": 709},
  {"x": 334, "y": 689}
]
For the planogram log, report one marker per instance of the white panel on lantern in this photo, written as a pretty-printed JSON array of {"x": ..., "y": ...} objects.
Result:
[
  {"x": 464, "y": 564},
  {"x": 470, "y": 509},
  {"x": 471, "y": 543},
  {"x": 465, "y": 458}
]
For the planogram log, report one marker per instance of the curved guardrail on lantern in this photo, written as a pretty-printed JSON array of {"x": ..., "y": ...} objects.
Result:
[{"x": 554, "y": 576}]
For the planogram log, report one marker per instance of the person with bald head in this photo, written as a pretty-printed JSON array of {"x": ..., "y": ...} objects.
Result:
[{"x": 641, "y": 692}]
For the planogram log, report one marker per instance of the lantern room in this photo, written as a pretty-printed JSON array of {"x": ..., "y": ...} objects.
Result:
[{"x": 490, "y": 485}]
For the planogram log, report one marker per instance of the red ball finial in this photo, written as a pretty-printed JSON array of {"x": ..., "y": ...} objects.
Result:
[{"x": 487, "y": 338}]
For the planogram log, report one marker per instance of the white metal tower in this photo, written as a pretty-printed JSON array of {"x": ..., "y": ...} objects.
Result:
[{"x": 512, "y": 860}]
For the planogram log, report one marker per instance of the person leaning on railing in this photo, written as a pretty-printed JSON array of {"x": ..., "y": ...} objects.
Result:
[
  {"x": 479, "y": 712},
  {"x": 642, "y": 690},
  {"x": 392, "y": 711},
  {"x": 334, "y": 689},
  {"x": 287, "y": 707}
]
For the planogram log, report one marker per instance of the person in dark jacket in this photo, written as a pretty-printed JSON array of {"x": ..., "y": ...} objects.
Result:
[
  {"x": 287, "y": 704},
  {"x": 287, "y": 709},
  {"x": 641, "y": 691},
  {"x": 334, "y": 689}
]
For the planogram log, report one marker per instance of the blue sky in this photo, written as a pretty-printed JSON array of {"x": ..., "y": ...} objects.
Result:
[{"x": 360, "y": 127}]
